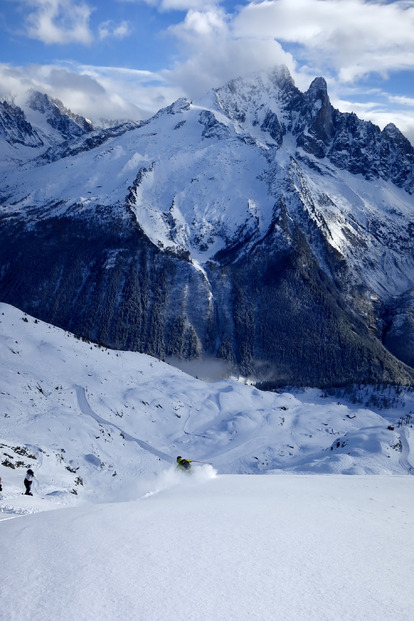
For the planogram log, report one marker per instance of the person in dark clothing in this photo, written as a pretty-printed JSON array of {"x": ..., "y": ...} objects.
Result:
[
  {"x": 183, "y": 464},
  {"x": 28, "y": 482},
  {"x": 1, "y": 487}
]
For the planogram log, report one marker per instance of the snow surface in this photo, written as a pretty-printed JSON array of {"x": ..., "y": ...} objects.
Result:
[
  {"x": 129, "y": 537},
  {"x": 219, "y": 547}
]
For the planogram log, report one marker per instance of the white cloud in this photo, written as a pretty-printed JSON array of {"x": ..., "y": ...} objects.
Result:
[
  {"x": 182, "y": 5},
  {"x": 145, "y": 91},
  {"x": 350, "y": 37},
  {"x": 109, "y": 29},
  {"x": 211, "y": 54},
  {"x": 59, "y": 21},
  {"x": 176, "y": 5},
  {"x": 207, "y": 22},
  {"x": 94, "y": 92},
  {"x": 403, "y": 101},
  {"x": 342, "y": 40}
]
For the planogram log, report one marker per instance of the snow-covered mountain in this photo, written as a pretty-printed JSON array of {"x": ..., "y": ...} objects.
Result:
[
  {"x": 52, "y": 117},
  {"x": 259, "y": 226},
  {"x": 35, "y": 125}
]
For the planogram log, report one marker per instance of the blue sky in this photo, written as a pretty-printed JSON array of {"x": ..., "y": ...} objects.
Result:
[{"x": 128, "y": 58}]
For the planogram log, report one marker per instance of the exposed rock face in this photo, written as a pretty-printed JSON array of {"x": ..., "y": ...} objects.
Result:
[
  {"x": 68, "y": 125},
  {"x": 260, "y": 226},
  {"x": 14, "y": 129},
  {"x": 399, "y": 329}
]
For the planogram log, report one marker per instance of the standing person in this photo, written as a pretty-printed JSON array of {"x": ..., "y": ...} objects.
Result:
[
  {"x": 183, "y": 464},
  {"x": 28, "y": 482}
]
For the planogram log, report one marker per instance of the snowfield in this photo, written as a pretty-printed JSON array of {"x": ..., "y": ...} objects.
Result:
[
  {"x": 219, "y": 547},
  {"x": 113, "y": 531}
]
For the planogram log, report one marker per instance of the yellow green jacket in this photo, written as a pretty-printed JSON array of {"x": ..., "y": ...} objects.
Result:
[{"x": 183, "y": 464}]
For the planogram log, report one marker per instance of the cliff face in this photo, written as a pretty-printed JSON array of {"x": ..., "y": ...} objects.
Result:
[{"x": 260, "y": 226}]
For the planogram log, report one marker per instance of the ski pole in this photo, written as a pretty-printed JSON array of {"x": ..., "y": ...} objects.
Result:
[{"x": 201, "y": 462}]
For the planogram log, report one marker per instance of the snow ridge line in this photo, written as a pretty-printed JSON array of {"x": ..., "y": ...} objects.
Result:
[{"x": 86, "y": 409}]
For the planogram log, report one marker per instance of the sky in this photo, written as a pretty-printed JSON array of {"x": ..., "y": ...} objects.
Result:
[{"x": 129, "y": 58}]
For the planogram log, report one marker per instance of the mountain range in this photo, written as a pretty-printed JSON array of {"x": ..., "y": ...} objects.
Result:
[{"x": 259, "y": 227}]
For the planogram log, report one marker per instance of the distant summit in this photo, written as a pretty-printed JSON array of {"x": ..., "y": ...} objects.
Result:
[{"x": 69, "y": 125}]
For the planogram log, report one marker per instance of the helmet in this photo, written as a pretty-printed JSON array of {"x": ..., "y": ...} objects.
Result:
[
  {"x": 30, "y": 471},
  {"x": 179, "y": 458}
]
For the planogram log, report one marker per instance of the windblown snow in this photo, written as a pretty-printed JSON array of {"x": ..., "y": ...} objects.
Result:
[{"x": 130, "y": 537}]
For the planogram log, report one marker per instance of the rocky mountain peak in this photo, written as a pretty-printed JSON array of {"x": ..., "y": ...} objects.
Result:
[
  {"x": 280, "y": 77},
  {"x": 318, "y": 88},
  {"x": 392, "y": 132},
  {"x": 316, "y": 128},
  {"x": 250, "y": 98},
  {"x": 39, "y": 101},
  {"x": 67, "y": 123},
  {"x": 180, "y": 105}
]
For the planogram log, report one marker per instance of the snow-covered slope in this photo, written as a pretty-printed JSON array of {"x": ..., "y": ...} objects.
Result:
[
  {"x": 102, "y": 429},
  {"x": 89, "y": 419},
  {"x": 35, "y": 126},
  {"x": 52, "y": 119},
  {"x": 232, "y": 547}
]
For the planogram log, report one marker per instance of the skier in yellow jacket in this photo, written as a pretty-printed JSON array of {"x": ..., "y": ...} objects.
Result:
[{"x": 183, "y": 464}]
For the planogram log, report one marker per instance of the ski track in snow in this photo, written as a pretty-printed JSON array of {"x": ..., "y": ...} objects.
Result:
[
  {"x": 88, "y": 411},
  {"x": 404, "y": 460}
]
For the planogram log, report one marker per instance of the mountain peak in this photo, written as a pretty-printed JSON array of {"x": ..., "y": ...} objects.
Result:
[
  {"x": 38, "y": 101},
  {"x": 316, "y": 127},
  {"x": 317, "y": 95},
  {"x": 318, "y": 85},
  {"x": 394, "y": 133},
  {"x": 57, "y": 116},
  {"x": 280, "y": 75},
  {"x": 277, "y": 76}
]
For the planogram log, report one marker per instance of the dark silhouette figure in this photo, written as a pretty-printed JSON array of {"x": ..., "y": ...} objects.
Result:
[{"x": 28, "y": 482}]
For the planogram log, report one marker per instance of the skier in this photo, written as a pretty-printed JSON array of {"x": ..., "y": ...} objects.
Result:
[
  {"x": 28, "y": 482},
  {"x": 183, "y": 464}
]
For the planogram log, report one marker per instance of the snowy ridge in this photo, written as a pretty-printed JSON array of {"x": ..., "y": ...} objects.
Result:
[{"x": 369, "y": 226}]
